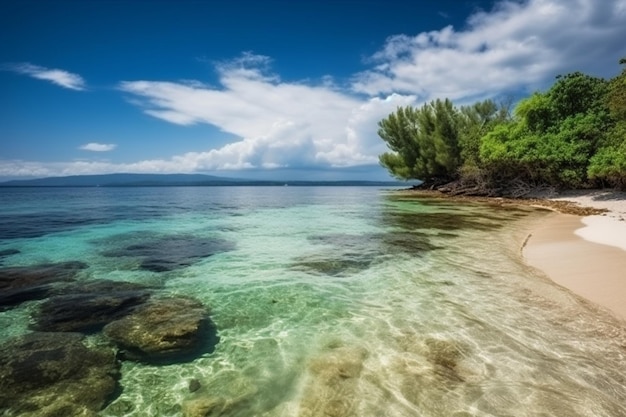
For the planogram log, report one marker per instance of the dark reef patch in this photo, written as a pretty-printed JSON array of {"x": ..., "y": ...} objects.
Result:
[
  {"x": 447, "y": 221},
  {"x": 86, "y": 312},
  {"x": 380, "y": 244},
  {"x": 161, "y": 253},
  {"x": 6, "y": 253},
  {"x": 333, "y": 264},
  {"x": 54, "y": 374},
  {"x": 24, "y": 283}
]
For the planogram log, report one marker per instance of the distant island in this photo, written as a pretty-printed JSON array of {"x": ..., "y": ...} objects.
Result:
[{"x": 177, "y": 180}]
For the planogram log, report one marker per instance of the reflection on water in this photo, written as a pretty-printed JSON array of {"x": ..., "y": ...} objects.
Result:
[{"x": 340, "y": 302}]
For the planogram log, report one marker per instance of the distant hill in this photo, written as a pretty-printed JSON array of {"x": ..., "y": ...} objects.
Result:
[{"x": 165, "y": 180}]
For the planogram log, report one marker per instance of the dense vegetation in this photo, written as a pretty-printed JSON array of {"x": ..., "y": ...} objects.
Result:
[{"x": 571, "y": 136}]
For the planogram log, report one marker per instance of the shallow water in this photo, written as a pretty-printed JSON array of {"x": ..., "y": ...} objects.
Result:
[{"x": 331, "y": 301}]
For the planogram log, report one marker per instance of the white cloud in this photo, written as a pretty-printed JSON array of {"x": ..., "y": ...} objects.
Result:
[
  {"x": 98, "y": 147},
  {"x": 56, "y": 76},
  {"x": 279, "y": 124},
  {"x": 350, "y": 140},
  {"x": 516, "y": 45}
]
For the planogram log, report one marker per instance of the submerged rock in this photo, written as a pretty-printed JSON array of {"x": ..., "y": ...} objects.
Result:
[
  {"x": 165, "y": 330},
  {"x": 335, "y": 264},
  {"x": 99, "y": 286},
  {"x": 7, "y": 252},
  {"x": 331, "y": 390},
  {"x": 86, "y": 312},
  {"x": 445, "y": 355},
  {"x": 54, "y": 374},
  {"x": 169, "y": 252},
  {"x": 25, "y": 283},
  {"x": 230, "y": 394}
]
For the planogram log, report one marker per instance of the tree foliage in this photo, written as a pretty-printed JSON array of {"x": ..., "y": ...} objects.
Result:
[
  {"x": 424, "y": 141},
  {"x": 572, "y": 135}
]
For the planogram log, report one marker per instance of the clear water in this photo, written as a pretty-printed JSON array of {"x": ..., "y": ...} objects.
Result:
[{"x": 335, "y": 302}]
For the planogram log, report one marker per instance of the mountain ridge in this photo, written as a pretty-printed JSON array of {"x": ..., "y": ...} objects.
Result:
[{"x": 164, "y": 180}]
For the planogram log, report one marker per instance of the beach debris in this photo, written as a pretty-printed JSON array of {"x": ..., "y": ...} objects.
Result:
[{"x": 54, "y": 374}]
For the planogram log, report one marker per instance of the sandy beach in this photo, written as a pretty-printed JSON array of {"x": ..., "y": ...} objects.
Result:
[{"x": 587, "y": 255}]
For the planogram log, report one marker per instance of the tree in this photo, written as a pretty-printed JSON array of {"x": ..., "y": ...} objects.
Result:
[
  {"x": 424, "y": 142},
  {"x": 399, "y": 130},
  {"x": 616, "y": 95},
  {"x": 475, "y": 122},
  {"x": 553, "y": 136}
]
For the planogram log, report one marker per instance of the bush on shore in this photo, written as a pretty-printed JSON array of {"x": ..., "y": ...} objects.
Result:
[{"x": 571, "y": 136}]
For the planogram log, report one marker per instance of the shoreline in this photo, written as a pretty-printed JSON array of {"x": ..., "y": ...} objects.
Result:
[
  {"x": 593, "y": 271},
  {"x": 581, "y": 246},
  {"x": 587, "y": 254}
]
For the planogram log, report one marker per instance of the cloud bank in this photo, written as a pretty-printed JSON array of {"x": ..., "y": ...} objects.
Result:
[
  {"x": 516, "y": 47},
  {"x": 56, "y": 76},
  {"x": 281, "y": 124}
]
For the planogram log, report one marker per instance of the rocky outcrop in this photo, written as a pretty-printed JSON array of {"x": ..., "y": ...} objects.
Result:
[
  {"x": 24, "y": 283},
  {"x": 164, "y": 330},
  {"x": 87, "y": 312},
  {"x": 54, "y": 374},
  {"x": 161, "y": 253}
]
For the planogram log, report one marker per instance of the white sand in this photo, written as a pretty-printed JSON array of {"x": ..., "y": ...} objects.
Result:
[
  {"x": 607, "y": 229},
  {"x": 586, "y": 254},
  {"x": 604, "y": 230}
]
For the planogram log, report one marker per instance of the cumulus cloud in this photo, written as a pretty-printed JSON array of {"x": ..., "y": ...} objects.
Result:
[
  {"x": 56, "y": 76},
  {"x": 516, "y": 45},
  {"x": 98, "y": 147},
  {"x": 280, "y": 124}
]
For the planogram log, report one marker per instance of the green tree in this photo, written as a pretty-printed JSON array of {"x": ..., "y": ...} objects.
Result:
[
  {"x": 616, "y": 95},
  {"x": 424, "y": 142},
  {"x": 475, "y": 122},
  {"x": 554, "y": 134}
]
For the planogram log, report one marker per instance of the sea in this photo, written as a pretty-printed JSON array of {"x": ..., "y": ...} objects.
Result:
[{"x": 329, "y": 301}]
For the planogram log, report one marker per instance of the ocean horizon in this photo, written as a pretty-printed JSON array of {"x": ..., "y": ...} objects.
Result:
[{"x": 322, "y": 301}]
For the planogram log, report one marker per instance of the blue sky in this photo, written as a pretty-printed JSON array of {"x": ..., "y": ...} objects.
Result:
[{"x": 266, "y": 89}]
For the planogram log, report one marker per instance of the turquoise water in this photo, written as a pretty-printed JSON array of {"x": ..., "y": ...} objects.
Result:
[{"x": 332, "y": 301}]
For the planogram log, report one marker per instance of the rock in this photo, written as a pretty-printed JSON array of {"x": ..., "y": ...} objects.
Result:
[
  {"x": 99, "y": 286},
  {"x": 162, "y": 253},
  {"x": 445, "y": 355},
  {"x": 231, "y": 393},
  {"x": 53, "y": 374},
  {"x": 165, "y": 330},
  {"x": 334, "y": 377},
  {"x": 87, "y": 312},
  {"x": 194, "y": 385},
  {"x": 333, "y": 264},
  {"x": 24, "y": 283},
  {"x": 7, "y": 252}
]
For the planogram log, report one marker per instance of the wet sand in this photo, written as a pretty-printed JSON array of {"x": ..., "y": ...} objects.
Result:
[{"x": 587, "y": 255}]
